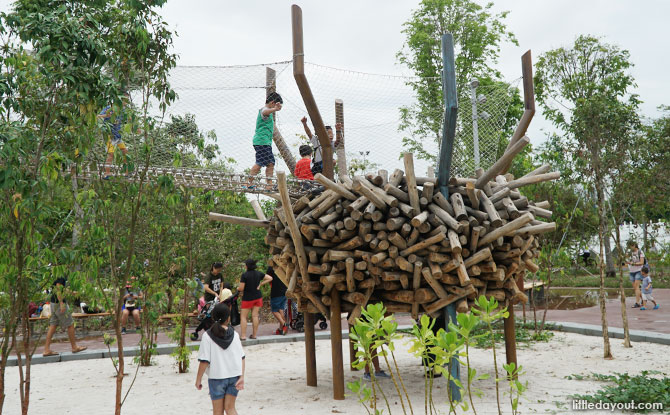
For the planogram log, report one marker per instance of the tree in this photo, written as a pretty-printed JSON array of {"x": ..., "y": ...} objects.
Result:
[
  {"x": 598, "y": 116},
  {"x": 49, "y": 99},
  {"x": 478, "y": 34}
]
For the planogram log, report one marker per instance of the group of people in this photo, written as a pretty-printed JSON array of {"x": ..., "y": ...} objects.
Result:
[
  {"x": 638, "y": 267},
  {"x": 311, "y": 161}
]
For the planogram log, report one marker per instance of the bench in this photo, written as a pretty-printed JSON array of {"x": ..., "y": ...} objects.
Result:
[{"x": 537, "y": 286}]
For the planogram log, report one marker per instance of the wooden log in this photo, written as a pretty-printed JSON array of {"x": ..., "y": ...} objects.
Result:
[
  {"x": 397, "y": 307},
  {"x": 462, "y": 272},
  {"x": 335, "y": 187},
  {"x": 539, "y": 212},
  {"x": 423, "y": 244},
  {"x": 540, "y": 170},
  {"x": 335, "y": 255},
  {"x": 403, "y": 264},
  {"x": 428, "y": 191},
  {"x": 472, "y": 195},
  {"x": 397, "y": 240},
  {"x": 325, "y": 206},
  {"x": 454, "y": 242},
  {"x": 394, "y": 224},
  {"x": 396, "y": 177},
  {"x": 445, "y": 217},
  {"x": 507, "y": 229},
  {"x": 424, "y": 295},
  {"x": 359, "y": 186},
  {"x": 543, "y": 204},
  {"x": 443, "y": 203},
  {"x": 536, "y": 229},
  {"x": 459, "y": 207},
  {"x": 403, "y": 296},
  {"x": 408, "y": 159},
  {"x": 499, "y": 195},
  {"x": 531, "y": 266},
  {"x": 351, "y": 283},
  {"x": 538, "y": 178},
  {"x": 293, "y": 226},
  {"x": 435, "y": 284},
  {"x": 397, "y": 193},
  {"x": 351, "y": 244},
  {"x": 420, "y": 219},
  {"x": 491, "y": 211},
  {"x": 298, "y": 206},
  {"x": 239, "y": 220},
  {"x": 502, "y": 162},
  {"x": 354, "y": 297},
  {"x": 433, "y": 308}
]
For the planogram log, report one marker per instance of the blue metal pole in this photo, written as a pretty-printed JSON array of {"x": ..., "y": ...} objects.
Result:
[{"x": 444, "y": 166}]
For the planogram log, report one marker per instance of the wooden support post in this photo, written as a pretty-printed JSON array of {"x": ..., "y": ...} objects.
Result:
[
  {"x": 339, "y": 140},
  {"x": 286, "y": 154},
  {"x": 258, "y": 210},
  {"x": 510, "y": 336},
  {"x": 310, "y": 349},
  {"x": 336, "y": 345},
  {"x": 306, "y": 92}
]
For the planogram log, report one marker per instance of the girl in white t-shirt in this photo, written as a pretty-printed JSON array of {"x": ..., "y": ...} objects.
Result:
[{"x": 222, "y": 358}]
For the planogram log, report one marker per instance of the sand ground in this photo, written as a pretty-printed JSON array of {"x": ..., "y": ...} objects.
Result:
[{"x": 275, "y": 381}]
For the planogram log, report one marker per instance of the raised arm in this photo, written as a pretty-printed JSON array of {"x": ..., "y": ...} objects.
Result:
[
  {"x": 269, "y": 109},
  {"x": 306, "y": 127}
]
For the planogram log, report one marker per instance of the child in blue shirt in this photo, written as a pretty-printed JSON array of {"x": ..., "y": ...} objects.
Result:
[{"x": 646, "y": 289}]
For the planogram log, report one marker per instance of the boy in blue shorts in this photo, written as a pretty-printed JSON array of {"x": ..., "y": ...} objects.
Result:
[
  {"x": 265, "y": 123},
  {"x": 646, "y": 289}
]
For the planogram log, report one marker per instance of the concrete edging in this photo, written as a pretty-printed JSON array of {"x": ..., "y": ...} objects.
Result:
[{"x": 163, "y": 349}]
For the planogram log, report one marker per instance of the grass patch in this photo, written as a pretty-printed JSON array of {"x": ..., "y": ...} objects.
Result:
[
  {"x": 525, "y": 335},
  {"x": 581, "y": 280},
  {"x": 624, "y": 388}
]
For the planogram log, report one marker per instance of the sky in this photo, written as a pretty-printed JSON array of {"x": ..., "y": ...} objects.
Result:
[{"x": 366, "y": 35}]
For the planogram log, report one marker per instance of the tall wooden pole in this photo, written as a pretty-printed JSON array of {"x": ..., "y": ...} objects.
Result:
[
  {"x": 450, "y": 95},
  {"x": 270, "y": 87},
  {"x": 336, "y": 344},
  {"x": 529, "y": 111},
  {"x": 327, "y": 155},
  {"x": 339, "y": 139},
  {"x": 306, "y": 92},
  {"x": 528, "y": 103}
]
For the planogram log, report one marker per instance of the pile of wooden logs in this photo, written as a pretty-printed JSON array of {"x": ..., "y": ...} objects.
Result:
[{"x": 399, "y": 240}]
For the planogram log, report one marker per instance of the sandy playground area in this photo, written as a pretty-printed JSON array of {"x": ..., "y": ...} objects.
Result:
[{"x": 275, "y": 381}]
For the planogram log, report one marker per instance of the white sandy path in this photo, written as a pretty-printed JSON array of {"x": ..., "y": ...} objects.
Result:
[{"x": 275, "y": 381}]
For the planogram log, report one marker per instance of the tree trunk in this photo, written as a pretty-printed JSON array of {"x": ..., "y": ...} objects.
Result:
[
  {"x": 119, "y": 348},
  {"x": 622, "y": 293},
  {"x": 645, "y": 236},
  {"x": 609, "y": 261},
  {"x": 602, "y": 219}
]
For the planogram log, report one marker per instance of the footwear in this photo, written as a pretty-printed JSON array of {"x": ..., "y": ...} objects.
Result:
[
  {"x": 123, "y": 330},
  {"x": 252, "y": 337},
  {"x": 636, "y": 305},
  {"x": 106, "y": 177},
  {"x": 643, "y": 308},
  {"x": 279, "y": 331},
  {"x": 194, "y": 336},
  {"x": 382, "y": 375},
  {"x": 366, "y": 376},
  {"x": 285, "y": 329},
  {"x": 50, "y": 354},
  {"x": 656, "y": 306},
  {"x": 249, "y": 187},
  {"x": 79, "y": 349}
]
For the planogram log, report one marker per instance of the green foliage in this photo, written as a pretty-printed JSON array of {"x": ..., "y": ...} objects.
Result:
[
  {"x": 181, "y": 353},
  {"x": 376, "y": 332},
  {"x": 624, "y": 388},
  {"x": 478, "y": 35}
]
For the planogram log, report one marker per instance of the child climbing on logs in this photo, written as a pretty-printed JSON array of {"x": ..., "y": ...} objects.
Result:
[
  {"x": 263, "y": 138},
  {"x": 302, "y": 169}
]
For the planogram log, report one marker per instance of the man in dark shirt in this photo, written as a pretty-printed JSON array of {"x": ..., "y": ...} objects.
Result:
[
  {"x": 213, "y": 282},
  {"x": 278, "y": 300},
  {"x": 252, "y": 299},
  {"x": 60, "y": 316}
]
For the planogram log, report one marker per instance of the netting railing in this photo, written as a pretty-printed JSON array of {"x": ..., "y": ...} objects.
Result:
[{"x": 211, "y": 124}]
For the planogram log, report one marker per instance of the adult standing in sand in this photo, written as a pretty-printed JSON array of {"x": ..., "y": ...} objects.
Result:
[
  {"x": 61, "y": 315},
  {"x": 252, "y": 299}
]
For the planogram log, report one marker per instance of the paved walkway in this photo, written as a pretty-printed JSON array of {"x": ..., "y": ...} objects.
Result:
[{"x": 647, "y": 320}]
